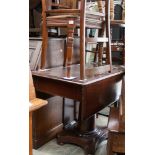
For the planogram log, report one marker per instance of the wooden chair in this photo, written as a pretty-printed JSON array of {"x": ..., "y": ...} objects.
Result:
[
  {"x": 116, "y": 127},
  {"x": 35, "y": 103},
  {"x": 76, "y": 16}
]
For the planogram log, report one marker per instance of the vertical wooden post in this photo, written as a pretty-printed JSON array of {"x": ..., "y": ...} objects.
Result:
[
  {"x": 100, "y": 34},
  {"x": 70, "y": 41},
  {"x": 123, "y": 52},
  {"x": 82, "y": 39},
  {"x": 111, "y": 9},
  {"x": 44, "y": 35},
  {"x": 108, "y": 44}
]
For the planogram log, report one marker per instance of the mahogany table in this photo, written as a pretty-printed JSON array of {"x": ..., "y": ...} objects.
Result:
[{"x": 94, "y": 93}]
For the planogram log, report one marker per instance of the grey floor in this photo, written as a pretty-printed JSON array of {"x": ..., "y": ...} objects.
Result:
[{"x": 52, "y": 148}]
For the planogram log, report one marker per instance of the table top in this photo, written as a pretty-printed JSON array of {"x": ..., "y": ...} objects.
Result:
[
  {"x": 101, "y": 89},
  {"x": 59, "y": 73}
]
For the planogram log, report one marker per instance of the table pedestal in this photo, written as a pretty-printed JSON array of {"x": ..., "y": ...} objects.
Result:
[{"x": 84, "y": 134}]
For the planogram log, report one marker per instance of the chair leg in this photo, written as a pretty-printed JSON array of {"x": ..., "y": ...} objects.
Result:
[
  {"x": 69, "y": 52},
  {"x": 107, "y": 26},
  {"x": 44, "y": 42},
  {"x": 100, "y": 34},
  {"x": 123, "y": 52}
]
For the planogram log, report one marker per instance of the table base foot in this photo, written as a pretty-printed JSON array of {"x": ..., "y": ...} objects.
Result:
[{"x": 88, "y": 141}]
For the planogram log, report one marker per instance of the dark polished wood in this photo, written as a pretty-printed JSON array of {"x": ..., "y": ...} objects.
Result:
[
  {"x": 52, "y": 82},
  {"x": 94, "y": 93},
  {"x": 88, "y": 141}
]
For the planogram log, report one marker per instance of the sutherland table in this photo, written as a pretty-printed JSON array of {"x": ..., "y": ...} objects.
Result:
[{"x": 94, "y": 93}]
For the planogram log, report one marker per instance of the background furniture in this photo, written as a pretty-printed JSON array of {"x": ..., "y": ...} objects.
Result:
[
  {"x": 118, "y": 33},
  {"x": 118, "y": 45},
  {"x": 34, "y": 18},
  {"x": 116, "y": 126},
  {"x": 35, "y": 103}
]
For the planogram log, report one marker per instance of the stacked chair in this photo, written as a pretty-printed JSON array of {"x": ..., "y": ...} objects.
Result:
[{"x": 72, "y": 15}]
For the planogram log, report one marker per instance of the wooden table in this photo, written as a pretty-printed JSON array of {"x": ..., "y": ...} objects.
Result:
[{"x": 94, "y": 93}]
